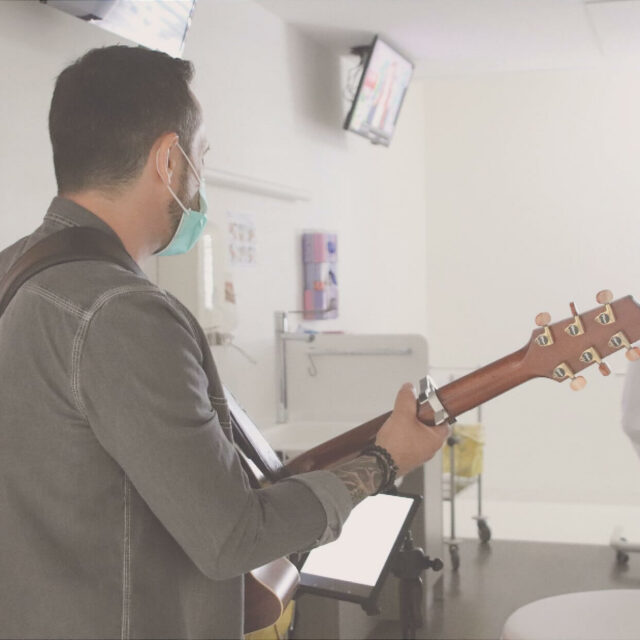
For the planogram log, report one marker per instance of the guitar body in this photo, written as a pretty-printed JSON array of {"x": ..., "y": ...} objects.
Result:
[
  {"x": 267, "y": 592},
  {"x": 268, "y": 589}
]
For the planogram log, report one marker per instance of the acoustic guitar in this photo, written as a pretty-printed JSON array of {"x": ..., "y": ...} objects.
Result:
[{"x": 556, "y": 351}]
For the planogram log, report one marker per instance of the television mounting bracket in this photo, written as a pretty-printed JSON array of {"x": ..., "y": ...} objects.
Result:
[{"x": 362, "y": 51}]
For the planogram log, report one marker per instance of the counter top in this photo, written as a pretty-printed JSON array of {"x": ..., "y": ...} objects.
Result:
[{"x": 297, "y": 437}]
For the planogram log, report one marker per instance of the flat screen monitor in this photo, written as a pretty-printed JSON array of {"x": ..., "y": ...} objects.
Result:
[
  {"x": 354, "y": 566},
  {"x": 161, "y": 24},
  {"x": 383, "y": 85}
]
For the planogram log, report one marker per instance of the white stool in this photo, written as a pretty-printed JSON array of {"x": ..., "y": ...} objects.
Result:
[{"x": 589, "y": 615}]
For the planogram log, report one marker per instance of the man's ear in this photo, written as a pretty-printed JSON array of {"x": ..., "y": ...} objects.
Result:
[{"x": 165, "y": 160}]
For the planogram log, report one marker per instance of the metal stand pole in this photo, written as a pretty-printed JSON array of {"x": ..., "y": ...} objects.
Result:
[
  {"x": 452, "y": 441},
  {"x": 408, "y": 565},
  {"x": 454, "y": 551}
]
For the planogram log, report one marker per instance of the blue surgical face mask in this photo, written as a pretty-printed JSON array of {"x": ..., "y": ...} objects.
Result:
[{"x": 192, "y": 222}]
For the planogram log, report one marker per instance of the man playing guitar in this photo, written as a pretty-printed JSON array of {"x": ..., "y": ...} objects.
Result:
[{"x": 126, "y": 512}]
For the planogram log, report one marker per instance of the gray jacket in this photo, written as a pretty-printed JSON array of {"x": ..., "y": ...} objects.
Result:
[{"x": 124, "y": 511}]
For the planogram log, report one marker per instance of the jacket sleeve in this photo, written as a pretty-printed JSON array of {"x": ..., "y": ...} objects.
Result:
[{"x": 141, "y": 386}]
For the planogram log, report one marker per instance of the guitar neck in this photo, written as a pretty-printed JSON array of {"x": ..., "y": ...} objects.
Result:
[
  {"x": 475, "y": 388},
  {"x": 457, "y": 397}
]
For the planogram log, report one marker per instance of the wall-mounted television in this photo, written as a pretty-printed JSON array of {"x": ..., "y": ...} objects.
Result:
[
  {"x": 160, "y": 24},
  {"x": 383, "y": 84}
]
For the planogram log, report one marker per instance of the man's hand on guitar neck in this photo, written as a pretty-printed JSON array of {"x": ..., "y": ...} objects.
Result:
[{"x": 409, "y": 442}]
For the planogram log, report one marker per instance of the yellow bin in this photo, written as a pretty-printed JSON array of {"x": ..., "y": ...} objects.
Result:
[{"x": 467, "y": 453}]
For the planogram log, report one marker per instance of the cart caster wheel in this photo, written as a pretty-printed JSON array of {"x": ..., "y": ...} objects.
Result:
[
  {"x": 484, "y": 531},
  {"x": 622, "y": 557},
  {"x": 455, "y": 556}
]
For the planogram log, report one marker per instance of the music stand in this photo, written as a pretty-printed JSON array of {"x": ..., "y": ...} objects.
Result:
[{"x": 354, "y": 566}]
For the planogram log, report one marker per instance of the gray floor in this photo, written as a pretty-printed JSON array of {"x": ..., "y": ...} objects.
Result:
[{"x": 495, "y": 579}]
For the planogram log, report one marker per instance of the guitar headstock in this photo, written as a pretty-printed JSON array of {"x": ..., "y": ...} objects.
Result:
[{"x": 560, "y": 350}]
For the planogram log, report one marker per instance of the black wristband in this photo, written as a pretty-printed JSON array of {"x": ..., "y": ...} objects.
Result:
[{"x": 388, "y": 462}]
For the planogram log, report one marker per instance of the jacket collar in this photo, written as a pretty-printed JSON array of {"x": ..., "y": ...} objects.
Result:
[{"x": 71, "y": 214}]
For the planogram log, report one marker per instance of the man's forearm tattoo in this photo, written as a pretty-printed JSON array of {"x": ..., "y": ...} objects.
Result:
[{"x": 363, "y": 476}]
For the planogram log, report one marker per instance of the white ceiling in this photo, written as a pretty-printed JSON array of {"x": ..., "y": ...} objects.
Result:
[{"x": 466, "y": 36}]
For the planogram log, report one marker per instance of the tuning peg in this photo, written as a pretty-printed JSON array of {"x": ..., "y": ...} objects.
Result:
[
  {"x": 543, "y": 319},
  {"x": 578, "y": 383},
  {"x": 606, "y": 316},
  {"x": 604, "y": 297},
  {"x": 619, "y": 340},
  {"x": 633, "y": 354},
  {"x": 545, "y": 339},
  {"x": 575, "y": 328}
]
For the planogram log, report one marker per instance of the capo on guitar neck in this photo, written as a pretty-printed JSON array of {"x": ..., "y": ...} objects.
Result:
[{"x": 428, "y": 396}]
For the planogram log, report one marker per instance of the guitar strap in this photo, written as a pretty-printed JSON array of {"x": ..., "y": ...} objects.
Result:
[{"x": 69, "y": 245}]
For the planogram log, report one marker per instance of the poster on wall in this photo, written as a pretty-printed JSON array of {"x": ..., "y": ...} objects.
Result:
[
  {"x": 241, "y": 229},
  {"x": 320, "y": 257}
]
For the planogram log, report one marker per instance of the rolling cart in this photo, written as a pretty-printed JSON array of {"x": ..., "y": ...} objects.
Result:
[{"x": 462, "y": 466}]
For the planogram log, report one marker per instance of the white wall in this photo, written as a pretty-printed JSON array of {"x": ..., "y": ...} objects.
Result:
[
  {"x": 273, "y": 107},
  {"x": 533, "y": 198}
]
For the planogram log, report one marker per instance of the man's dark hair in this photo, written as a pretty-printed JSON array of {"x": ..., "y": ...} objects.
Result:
[{"x": 109, "y": 107}]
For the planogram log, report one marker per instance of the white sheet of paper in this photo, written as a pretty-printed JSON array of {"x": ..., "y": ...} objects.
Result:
[{"x": 360, "y": 553}]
